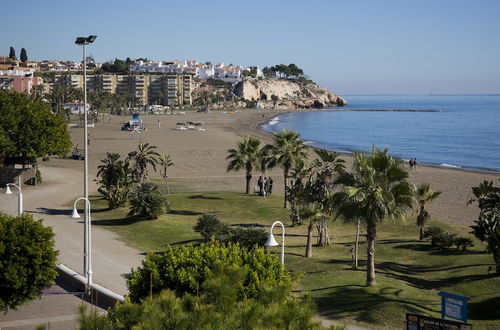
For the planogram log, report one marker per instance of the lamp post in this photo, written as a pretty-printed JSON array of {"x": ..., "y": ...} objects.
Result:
[
  {"x": 19, "y": 196},
  {"x": 84, "y": 41},
  {"x": 272, "y": 242},
  {"x": 87, "y": 247}
]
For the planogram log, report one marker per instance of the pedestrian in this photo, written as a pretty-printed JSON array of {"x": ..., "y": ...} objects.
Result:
[
  {"x": 270, "y": 180},
  {"x": 411, "y": 163},
  {"x": 264, "y": 184},
  {"x": 415, "y": 163},
  {"x": 259, "y": 183}
]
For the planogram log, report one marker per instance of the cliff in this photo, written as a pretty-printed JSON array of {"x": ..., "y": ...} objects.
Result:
[{"x": 287, "y": 93}]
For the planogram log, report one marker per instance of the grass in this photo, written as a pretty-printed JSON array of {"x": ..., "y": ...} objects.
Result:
[{"x": 409, "y": 272}]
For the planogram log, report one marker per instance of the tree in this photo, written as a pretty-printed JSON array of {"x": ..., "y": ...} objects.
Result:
[
  {"x": 23, "y": 56},
  {"x": 12, "y": 53},
  {"x": 424, "y": 195},
  {"x": 29, "y": 129},
  {"x": 141, "y": 158},
  {"x": 147, "y": 202},
  {"x": 377, "y": 188},
  {"x": 185, "y": 269},
  {"x": 165, "y": 162},
  {"x": 28, "y": 259},
  {"x": 209, "y": 226},
  {"x": 245, "y": 156},
  {"x": 115, "y": 179},
  {"x": 286, "y": 150},
  {"x": 487, "y": 226}
]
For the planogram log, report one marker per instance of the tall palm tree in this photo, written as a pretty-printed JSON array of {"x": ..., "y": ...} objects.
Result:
[
  {"x": 165, "y": 162},
  {"x": 377, "y": 188},
  {"x": 141, "y": 158},
  {"x": 424, "y": 196},
  {"x": 287, "y": 149},
  {"x": 246, "y": 156}
]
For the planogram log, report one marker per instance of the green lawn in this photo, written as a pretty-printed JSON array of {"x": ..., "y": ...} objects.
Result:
[{"x": 409, "y": 272}]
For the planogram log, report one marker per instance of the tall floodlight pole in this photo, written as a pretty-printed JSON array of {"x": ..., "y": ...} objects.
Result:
[{"x": 84, "y": 41}]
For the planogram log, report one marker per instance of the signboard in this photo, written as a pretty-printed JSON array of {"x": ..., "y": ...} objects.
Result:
[
  {"x": 422, "y": 322},
  {"x": 453, "y": 306}
]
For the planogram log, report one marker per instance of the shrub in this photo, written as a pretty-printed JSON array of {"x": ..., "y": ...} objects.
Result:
[
  {"x": 28, "y": 259},
  {"x": 248, "y": 237},
  {"x": 432, "y": 231},
  {"x": 444, "y": 240},
  {"x": 185, "y": 269},
  {"x": 219, "y": 306},
  {"x": 146, "y": 201},
  {"x": 462, "y": 243},
  {"x": 209, "y": 225}
]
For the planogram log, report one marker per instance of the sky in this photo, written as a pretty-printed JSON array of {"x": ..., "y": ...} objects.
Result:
[{"x": 349, "y": 47}]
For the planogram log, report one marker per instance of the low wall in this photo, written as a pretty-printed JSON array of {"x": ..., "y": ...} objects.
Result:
[
  {"x": 101, "y": 296},
  {"x": 9, "y": 174}
]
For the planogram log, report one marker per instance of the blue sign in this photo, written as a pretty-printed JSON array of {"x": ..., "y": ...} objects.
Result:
[{"x": 453, "y": 306}]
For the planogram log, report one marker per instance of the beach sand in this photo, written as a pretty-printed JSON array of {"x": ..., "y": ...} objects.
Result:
[{"x": 200, "y": 157}]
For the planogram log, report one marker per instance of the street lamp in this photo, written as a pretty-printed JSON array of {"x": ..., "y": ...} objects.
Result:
[
  {"x": 272, "y": 242},
  {"x": 84, "y": 41},
  {"x": 87, "y": 247},
  {"x": 19, "y": 196}
]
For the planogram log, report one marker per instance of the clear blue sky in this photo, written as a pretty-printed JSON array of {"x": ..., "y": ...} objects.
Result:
[{"x": 350, "y": 47}]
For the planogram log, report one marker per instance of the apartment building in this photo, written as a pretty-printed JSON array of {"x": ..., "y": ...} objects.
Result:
[
  {"x": 22, "y": 81},
  {"x": 164, "y": 89}
]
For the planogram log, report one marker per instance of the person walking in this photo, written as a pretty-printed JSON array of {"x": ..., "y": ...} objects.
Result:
[
  {"x": 411, "y": 163},
  {"x": 414, "y": 163},
  {"x": 259, "y": 183},
  {"x": 264, "y": 186},
  {"x": 270, "y": 180}
]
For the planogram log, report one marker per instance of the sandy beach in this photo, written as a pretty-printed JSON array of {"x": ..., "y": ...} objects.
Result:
[{"x": 200, "y": 164}]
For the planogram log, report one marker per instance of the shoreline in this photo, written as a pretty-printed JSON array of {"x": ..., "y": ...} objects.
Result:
[{"x": 314, "y": 144}]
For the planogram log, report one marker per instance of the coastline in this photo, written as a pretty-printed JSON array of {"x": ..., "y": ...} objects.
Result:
[{"x": 200, "y": 158}]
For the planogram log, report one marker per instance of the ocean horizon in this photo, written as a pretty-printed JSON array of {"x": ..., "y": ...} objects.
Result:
[{"x": 460, "y": 131}]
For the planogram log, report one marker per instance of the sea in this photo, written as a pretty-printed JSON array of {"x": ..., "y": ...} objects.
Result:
[{"x": 453, "y": 131}]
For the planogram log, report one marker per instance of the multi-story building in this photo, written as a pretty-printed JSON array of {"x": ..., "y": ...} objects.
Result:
[
  {"x": 22, "y": 81},
  {"x": 164, "y": 89}
]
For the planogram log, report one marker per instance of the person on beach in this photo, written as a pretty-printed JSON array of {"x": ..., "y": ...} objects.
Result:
[
  {"x": 411, "y": 163},
  {"x": 270, "y": 181},
  {"x": 414, "y": 163},
  {"x": 259, "y": 183}
]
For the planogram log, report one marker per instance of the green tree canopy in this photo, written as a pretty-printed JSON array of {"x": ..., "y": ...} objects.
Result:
[
  {"x": 24, "y": 55},
  {"x": 12, "y": 53},
  {"x": 246, "y": 157},
  {"x": 28, "y": 129},
  {"x": 27, "y": 259}
]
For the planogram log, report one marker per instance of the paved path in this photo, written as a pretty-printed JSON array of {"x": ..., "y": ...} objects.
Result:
[{"x": 110, "y": 256}]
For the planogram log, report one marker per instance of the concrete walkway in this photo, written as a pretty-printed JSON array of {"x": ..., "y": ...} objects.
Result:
[{"x": 49, "y": 201}]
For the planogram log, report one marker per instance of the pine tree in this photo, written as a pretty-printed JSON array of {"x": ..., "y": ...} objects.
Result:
[
  {"x": 12, "y": 53},
  {"x": 24, "y": 55}
]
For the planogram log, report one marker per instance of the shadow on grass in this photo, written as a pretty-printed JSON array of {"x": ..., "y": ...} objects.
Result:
[
  {"x": 424, "y": 246},
  {"x": 184, "y": 212},
  {"x": 411, "y": 275},
  {"x": 248, "y": 225},
  {"x": 203, "y": 197},
  {"x": 119, "y": 222},
  {"x": 364, "y": 304},
  {"x": 485, "y": 310}
]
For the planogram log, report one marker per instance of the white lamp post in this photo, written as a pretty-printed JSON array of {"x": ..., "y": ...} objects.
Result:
[
  {"x": 87, "y": 247},
  {"x": 84, "y": 41},
  {"x": 19, "y": 196},
  {"x": 272, "y": 242}
]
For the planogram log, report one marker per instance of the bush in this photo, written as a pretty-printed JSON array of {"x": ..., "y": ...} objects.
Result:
[
  {"x": 219, "y": 306},
  {"x": 444, "y": 240},
  {"x": 432, "y": 231},
  {"x": 147, "y": 201},
  {"x": 248, "y": 237},
  {"x": 462, "y": 243},
  {"x": 209, "y": 225},
  {"x": 28, "y": 259},
  {"x": 185, "y": 269}
]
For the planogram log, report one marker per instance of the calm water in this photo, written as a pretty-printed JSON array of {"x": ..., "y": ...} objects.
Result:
[{"x": 464, "y": 134}]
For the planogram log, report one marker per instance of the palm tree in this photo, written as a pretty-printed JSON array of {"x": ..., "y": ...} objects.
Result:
[
  {"x": 424, "y": 195},
  {"x": 245, "y": 156},
  {"x": 165, "y": 162},
  {"x": 287, "y": 149},
  {"x": 312, "y": 213},
  {"x": 142, "y": 157},
  {"x": 115, "y": 179},
  {"x": 377, "y": 188}
]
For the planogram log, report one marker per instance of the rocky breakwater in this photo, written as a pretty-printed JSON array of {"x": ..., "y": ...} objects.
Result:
[{"x": 286, "y": 93}]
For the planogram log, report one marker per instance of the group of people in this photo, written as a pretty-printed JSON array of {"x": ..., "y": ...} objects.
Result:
[
  {"x": 413, "y": 163},
  {"x": 265, "y": 186}
]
